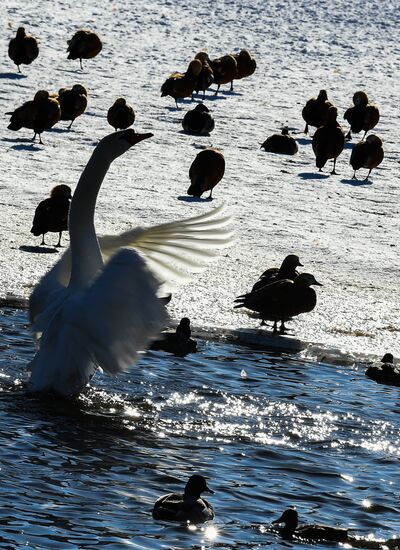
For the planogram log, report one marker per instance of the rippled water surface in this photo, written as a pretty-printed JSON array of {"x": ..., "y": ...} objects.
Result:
[{"x": 269, "y": 430}]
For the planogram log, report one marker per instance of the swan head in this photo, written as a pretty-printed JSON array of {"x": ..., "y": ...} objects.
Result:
[{"x": 118, "y": 143}]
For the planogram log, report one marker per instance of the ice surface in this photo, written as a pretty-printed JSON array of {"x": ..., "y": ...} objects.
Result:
[{"x": 345, "y": 232}]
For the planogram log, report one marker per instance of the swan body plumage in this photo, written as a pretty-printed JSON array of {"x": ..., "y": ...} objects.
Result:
[{"x": 102, "y": 293}]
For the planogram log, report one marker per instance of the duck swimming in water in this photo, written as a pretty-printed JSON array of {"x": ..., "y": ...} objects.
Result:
[
  {"x": 186, "y": 507},
  {"x": 290, "y": 519},
  {"x": 179, "y": 343},
  {"x": 384, "y": 372}
]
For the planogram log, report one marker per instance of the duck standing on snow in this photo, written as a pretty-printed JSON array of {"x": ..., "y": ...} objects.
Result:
[
  {"x": 315, "y": 111},
  {"x": 120, "y": 115},
  {"x": 180, "y": 85},
  {"x": 281, "y": 300},
  {"x": 205, "y": 172},
  {"x": 287, "y": 270},
  {"x": 363, "y": 116},
  {"x": 51, "y": 215},
  {"x": 281, "y": 143},
  {"x": 328, "y": 141},
  {"x": 198, "y": 121},
  {"x": 23, "y": 49},
  {"x": 367, "y": 154},
  {"x": 290, "y": 529},
  {"x": 224, "y": 70},
  {"x": 73, "y": 102},
  {"x": 178, "y": 343},
  {"x": 206, "y": 75},
  {"x": 187, "y": 507},
  {"x": 246, "y": 65},
  {"x": 84, "y": 45},
  {"x": 40, "y": 114},
  {"x": 384, "y": 372}
]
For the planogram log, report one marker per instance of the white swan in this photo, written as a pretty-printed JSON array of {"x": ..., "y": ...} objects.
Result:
[{"x": 97, "y": 306}]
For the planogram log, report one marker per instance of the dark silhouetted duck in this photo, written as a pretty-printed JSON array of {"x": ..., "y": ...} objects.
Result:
[
  {"x": 178, "y": 343},
  {"x": 186, "y": 507},
  {"x": 205, "y": 172},
  {"x": 180, "y": 85},
  {"x": 120, "y": 115},
  {"x": 287, "y": 270},
  {"x": 40, "y": 114},
  {"x": 281, "y": 300},
  {"x": 23, "y": 49},
  {"x": 328, "y": 141},
  {"x": 363, "y": 116},
  {"x": 385, "y": 371},
  {"x": 246, "y": 65},
  {"x": 84, "y": 45},
  {"x": 315, "y": 111},
  {"x": 367, "y": 154},
  {"x": 289, "y": 519},
  {"x": 51, "y": 215},
  {"x": 281, "y": 143},
  {"x": 198, "y": 121},
  {"x": 224, "y": 70},
  {"x": 206, "y": 75},
  {"x": 73, "y": 102}
]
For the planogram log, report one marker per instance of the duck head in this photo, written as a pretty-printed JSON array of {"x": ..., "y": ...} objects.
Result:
[
  {"x": 196, "y": 485},
  {"x": 306, "y": 279},
  {"x": 201, "y": 108},
  {"x": 323, "y": 96},
  {"x": 360, "y": 98},
  {"x": 387, "y": 358},
  {"x": 374, "y": 140},
  {"x": 21, "y": 32},
  {"x": 195, "y": 67},
  {"x": 61, "y": 191},
  {"x": 290, "y": 520},
  {"x": 291, "y": 261},
  {"x": 79, "y": 89}
]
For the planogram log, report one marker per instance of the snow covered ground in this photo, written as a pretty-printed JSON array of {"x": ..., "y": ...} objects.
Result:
[{"x": 345, "y": 232}]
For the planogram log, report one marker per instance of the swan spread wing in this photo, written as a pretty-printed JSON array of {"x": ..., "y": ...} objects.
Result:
[
  {"x": 176, "y": 249},
  {"x": 104, "y": 325},
  {"x": 172, "y": 251}
]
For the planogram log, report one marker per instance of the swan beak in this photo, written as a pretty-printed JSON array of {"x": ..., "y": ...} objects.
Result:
[{"x": 132, "y": 137}]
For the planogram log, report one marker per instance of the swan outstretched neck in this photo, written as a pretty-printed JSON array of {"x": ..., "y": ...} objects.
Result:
[{"x": 104, "y": 315}]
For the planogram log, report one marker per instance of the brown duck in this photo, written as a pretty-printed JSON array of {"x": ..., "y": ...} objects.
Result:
[
  {"x": 205, "y": 172},
  {"x": 198, "y": 121},
  {"x": 23, "y": 49},
  {"x": 206, "y": 75},
  {"x": 246, "y": 65},
  {"x": 225, "y": 70},
  {"x": 84, "y": 45},
  {"x": 363, "y": 116},
  {"x": 282, "y": 143},
  {"x": 51, "y": 215},
  {"x": 120, "y": 115},
  {"x": 281, "y": 300},
  {"x": 315, "y": 111},
  {"x": 328, "y": 141},
  {"x": 367, "y": 154},
  {"x": 290, "y": 519},
  {"x": 73, "y": 102},
  {"x": 40, "y": 114},
  {"x": 287, "y": 270},
  {"x": 384, "y": 372},
  {"x": 180, "y": 85}
]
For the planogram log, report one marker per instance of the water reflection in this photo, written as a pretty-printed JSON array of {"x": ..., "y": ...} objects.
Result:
[{"x": 291, "y": 432}]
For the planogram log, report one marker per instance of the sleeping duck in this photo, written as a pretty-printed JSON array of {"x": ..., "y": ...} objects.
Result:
[
  {"x": 180, "y": 85},
  {"x": 73, "y": 102},
  {"x": 282, "y": 143},
  {"x": 120, "y": 115},
  {"x": 23, "y": 49},
  {"x": 367, "y": 154},
  {"x": 84, "y": 45},
  {"x": 289, "y": 519},
  {"x": 198, "y": 121},
  {"x": 186, "y": 507}
]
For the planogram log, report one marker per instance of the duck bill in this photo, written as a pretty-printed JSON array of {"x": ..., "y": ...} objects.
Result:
[
  {"x": 318, "y": 284},
  {"x": 300, "y": 265},
  {"x": 279, "y": 520},
  {"x": 208, "y": 490}
]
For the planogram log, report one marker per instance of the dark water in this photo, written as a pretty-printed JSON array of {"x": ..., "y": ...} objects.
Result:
[{"x": 85, "y": 474}]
